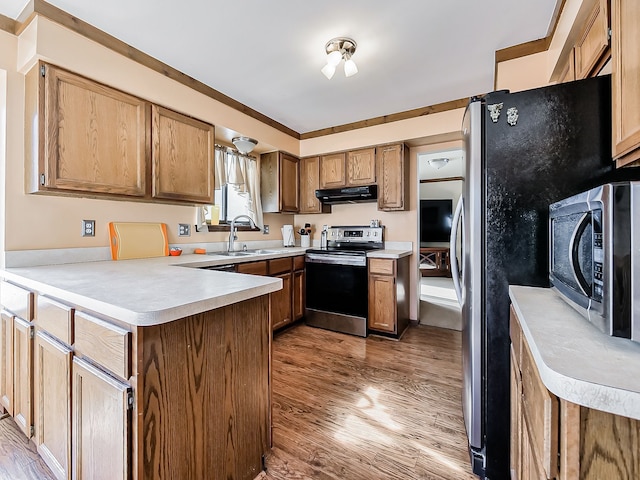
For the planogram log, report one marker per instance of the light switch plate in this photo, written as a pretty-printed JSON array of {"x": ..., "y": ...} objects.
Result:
[
  {"x": 184, "y": 230},
  {"x": 88, "y": 228}
]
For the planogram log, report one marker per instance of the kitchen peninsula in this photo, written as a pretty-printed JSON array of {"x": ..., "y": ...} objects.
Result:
[{"x": 142, "y": 368}]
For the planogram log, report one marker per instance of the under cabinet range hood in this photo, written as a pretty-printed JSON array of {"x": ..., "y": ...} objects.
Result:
[{"x": 332, "y": 196}]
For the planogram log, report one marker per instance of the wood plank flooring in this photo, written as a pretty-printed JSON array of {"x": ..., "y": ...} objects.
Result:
[
  {"x": 351, "y": 408},
  {"x": 344, "y": 408},
  {"x": 19, "y": 459}
]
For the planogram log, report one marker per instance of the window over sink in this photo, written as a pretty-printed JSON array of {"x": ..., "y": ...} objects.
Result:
[{"x": 237, "y": 189}]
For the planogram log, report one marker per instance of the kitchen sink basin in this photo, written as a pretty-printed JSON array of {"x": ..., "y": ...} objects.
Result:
[{"x": 232, "y": 254}]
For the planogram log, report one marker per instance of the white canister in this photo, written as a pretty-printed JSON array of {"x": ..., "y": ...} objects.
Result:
[{"x": 305, "y": 241}]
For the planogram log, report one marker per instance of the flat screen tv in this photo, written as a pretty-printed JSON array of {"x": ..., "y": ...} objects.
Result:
[{"x": 435, "y": 220}]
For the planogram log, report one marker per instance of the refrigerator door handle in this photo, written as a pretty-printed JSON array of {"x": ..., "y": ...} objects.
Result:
[{"x": 455, "y": 272}]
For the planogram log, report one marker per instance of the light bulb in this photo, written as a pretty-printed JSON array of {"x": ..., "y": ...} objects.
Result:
[
  {"x": 334, "y": 58},
  {"x": 350, "y": 68},
  {"x": 328, "y": 71}
]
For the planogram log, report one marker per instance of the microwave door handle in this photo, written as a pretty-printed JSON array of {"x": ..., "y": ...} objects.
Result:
[
  {"x": 453, "y": 258},
  {"x": 574, "y": 259}
]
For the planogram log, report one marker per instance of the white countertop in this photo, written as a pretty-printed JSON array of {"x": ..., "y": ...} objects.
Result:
[
  {"x": 387, "y": 253},
  {"x": 577, "y": 361},
  {"x": 148, "y": 291}
]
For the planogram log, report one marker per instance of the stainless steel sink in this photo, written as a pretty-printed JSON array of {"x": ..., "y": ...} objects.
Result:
[
  {"x": 261, "y": 251},
  {"x": 232, "y": 254}
]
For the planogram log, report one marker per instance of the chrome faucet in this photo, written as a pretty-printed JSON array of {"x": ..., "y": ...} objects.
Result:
[{"x": 232, "y": 234}]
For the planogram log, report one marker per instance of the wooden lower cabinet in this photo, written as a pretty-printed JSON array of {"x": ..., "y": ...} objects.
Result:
[
  {"x": 22, "y": 375},
  {"x": 6, "y": 362},
  {"x": 554, "y": 438},
  {"x": 52, "y": 393},
  {"x": 298, "y": 294},
  {"x": 100, "y": 421},
  {"x": 281, "y": 303},
  {"x": 388, "y": 305}
]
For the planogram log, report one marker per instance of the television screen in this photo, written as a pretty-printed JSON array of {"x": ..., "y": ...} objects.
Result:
[{"x": 435, "y": 220}]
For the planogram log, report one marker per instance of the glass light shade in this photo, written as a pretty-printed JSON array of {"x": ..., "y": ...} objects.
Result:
[
  {"x": 328, "y": 71},
  {"x": 334, "y": 58},
  {"x": 244, "y": 144},
  {"x": 350, "y": 68}
]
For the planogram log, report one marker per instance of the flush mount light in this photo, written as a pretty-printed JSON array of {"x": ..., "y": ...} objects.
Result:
[
  {"x": 438, "y": 163},
  {"x": 244, "y": 144},
  {"x": 340, "y": 48}
]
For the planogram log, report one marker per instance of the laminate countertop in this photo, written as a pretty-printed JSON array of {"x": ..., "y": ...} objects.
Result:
[
  {"x": 576, "y": 361},
  {"x": 149, "y": 291}
]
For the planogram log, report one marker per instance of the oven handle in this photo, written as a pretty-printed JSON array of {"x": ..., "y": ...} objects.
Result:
[
  {"x": 453, "y": 258},
  {"x": 336, "y": 260},
  {"x": 573, "y": 258}
]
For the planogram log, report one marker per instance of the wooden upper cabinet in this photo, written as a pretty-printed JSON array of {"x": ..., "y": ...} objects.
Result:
[
  {"x": 626, "y": 80},
  {"x": 361, "y": 167},
  {"x": 309, "y": 183},
  {"x": 83, "y": 136},
  {"x": 568, "y": 73},
  {"x": 182, "y": 157},
  {"x": 333, "y": 170},
  {"x": 279, "y": 180},
  {"x": 593, "y": 43},
  {"x": 392, "y": 177}
]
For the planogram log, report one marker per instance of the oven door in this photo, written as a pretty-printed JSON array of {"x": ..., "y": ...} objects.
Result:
[{"x": 337, "y": 288}]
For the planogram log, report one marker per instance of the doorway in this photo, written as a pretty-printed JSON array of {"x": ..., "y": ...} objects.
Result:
[{"x": 440, "y": 184}]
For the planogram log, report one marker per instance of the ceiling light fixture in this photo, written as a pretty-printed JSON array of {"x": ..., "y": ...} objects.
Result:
[
  {"x": 340, "y": 48},
  {"x": 438, "y": 163},
  {"x": 244, "y": 144}
]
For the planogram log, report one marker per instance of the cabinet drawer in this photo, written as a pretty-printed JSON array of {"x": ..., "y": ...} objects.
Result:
[
  {"x": 17, "y": 300},
  {"x": 298, "y": 262},
  {"x": 106, "y": 344},
  {"x": 382, "y": 266},
  {"x": 516, "y": 337},
  {"x": 279, "y": 265},
  {"x": 55, "y": 318},
  {"x": 252, "y": 268},
  {"x": 540, "y": 411}
]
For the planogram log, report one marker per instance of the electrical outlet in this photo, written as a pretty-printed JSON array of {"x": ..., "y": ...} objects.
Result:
[
  {"x": 88, "y": 228},
  {"x": 184, "y": 230},
  {"x": 265, "y": 230}
]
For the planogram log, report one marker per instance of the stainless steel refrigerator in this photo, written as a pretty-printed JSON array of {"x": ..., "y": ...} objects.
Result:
[{"x": 523, "y": 151}]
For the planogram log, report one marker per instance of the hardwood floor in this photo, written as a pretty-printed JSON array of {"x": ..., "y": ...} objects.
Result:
[
  {"x": 351, "y": 408},
  {"x": 18, "y": 457},
  {"x": 344, "y": 408}
]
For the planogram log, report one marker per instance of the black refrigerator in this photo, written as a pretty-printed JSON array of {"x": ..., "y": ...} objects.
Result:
[{"x": 523, "y": 151}]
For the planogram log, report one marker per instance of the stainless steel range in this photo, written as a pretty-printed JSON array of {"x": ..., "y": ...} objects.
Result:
[{"x": 337, "y": 282}]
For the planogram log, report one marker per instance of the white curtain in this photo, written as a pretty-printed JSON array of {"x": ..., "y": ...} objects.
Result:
[
  {"x": 240, "y": 173},
  {"x": 252, "y": 182}
]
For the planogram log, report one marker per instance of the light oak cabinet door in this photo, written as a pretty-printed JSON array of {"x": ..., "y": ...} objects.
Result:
[
  {"x": 90, "y": 137},
  {"x": 382, "y": 303},
  {"x": 6, "y": 361},
  {"x": 289, "y": 183},
  {"x": 626, "y": 80},
  {"x": 361, "y": 167},
  {"x": 182, "y": 157},
  {"x": 593, "y": 42},
  {"x": 309, "y": 183},
  {"x": 100, "y": 422},
  {"x": 392, "y": 177},
  {"x": 298, "y": 294},
  {"x": 279, "y": 182},
  {"x": 281, "y": 303},
  {"x": 568, "y": 73},
  {"x": 23, "y": 375},
  {"x": 52, "y": 385},
  {"x": 516, "y": 426},
  {"x": 333, "y": 170}
]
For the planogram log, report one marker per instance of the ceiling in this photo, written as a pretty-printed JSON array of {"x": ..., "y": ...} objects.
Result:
[{"x": 268, "y": 55}]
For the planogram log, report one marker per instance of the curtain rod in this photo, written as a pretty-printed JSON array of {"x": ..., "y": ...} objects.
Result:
[{"x": 222, "y": 147}]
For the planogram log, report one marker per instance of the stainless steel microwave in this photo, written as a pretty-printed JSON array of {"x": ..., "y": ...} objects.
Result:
[{"x": 594, "y": 256}]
